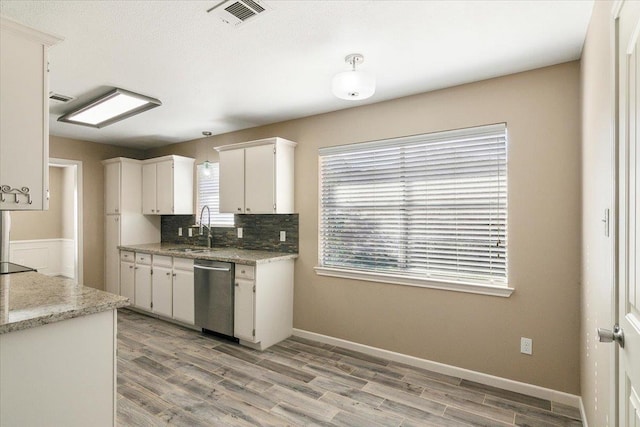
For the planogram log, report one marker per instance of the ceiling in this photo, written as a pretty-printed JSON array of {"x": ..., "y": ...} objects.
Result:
[{"x": 211, "y": 76}]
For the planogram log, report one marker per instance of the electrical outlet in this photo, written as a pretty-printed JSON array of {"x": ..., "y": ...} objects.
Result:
[
  {"x": 239, "y": 232},
  {"x": 526, "y": 345},
  {"x": 179, "y": 231},
  {"x": 190, "y": 232},
  {"x": 283, "y": 236}
]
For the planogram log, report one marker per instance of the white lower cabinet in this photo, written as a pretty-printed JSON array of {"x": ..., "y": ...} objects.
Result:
[
  {"x": 159, "y": 284},
  {"x": 143, "y": 287},
  {"x": 183, "y": 291},
  {"x": 263, "y": 303},
  {"x": 161, "y": 291},
  {"x": 127, "y": 280},
  {"x": 243, "y": 326}
]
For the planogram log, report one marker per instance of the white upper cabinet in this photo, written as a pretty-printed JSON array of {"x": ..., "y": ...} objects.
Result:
[
  {"x": 167, "y": 186},
  {"x": 256, "y": 177},
  {"x": 122, "y": 186},
  {"x": 24, "y": 117}
]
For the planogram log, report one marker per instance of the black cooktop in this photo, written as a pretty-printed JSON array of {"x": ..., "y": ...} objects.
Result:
[{"x": 9, "y": 267}]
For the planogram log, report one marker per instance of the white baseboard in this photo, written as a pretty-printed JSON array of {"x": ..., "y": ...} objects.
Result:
[
  {"x": 454, "y": 371},
  {"x": 52, "y": 257}
]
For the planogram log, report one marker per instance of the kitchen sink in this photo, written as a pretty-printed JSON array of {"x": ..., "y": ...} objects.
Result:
[{"x": 185, "y": 250}]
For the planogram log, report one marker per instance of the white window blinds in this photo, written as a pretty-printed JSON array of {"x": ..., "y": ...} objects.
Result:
[
  {"x": 431, "y": 206},
  {"x": 209, "y": 194}
]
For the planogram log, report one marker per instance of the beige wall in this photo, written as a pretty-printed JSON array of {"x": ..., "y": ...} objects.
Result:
[
  {"x": 597, "y": 140},
  {"x": 481, "y": 333},
  {"x": 91, "y": 154},
  {"x": 47, "y": 224}
]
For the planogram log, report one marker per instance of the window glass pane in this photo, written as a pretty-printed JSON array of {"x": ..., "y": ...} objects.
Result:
[
  {"x": 432, "y": 206},
  {"x": 209, "y": 194}
]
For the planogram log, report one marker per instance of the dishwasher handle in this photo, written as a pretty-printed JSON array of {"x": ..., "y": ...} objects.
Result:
[{"x": 202, "y": 267}]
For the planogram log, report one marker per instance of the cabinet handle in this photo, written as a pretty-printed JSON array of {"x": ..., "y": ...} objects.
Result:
[
  {"x": 168, "y": 274},
  {"x": 237, "y": 285},
  {"x": 131, "y": 266},
  {"x": 174, "y": 274},
  {"x": 116, "y": 209},
  {"x": 248, "y": 210}
]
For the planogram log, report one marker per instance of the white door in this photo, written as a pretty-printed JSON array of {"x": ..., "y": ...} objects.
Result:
[
  {"x": 112, "y": 254},
  {"x": 161, "y": 291},
  {"x": 183, "y": 296},
  {"x": 112, "y": 188},
  {"x": 243, "y": 310},
  {"x": 260, "y": 179},
  {"x": 127, "y": 280},
  {"x": 164, "y": 187},
  {"x": 142, "y": 298},
  {"x": 232, "y": 181},
  {"x": 629, "y": 212},
  {"x": 149, "y": 189}
]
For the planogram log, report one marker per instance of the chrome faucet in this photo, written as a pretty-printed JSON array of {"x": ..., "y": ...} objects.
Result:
[{"x": 208, "y": 226}]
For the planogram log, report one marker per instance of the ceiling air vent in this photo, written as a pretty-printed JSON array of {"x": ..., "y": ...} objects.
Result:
[
  {"x": 237, "y": 12},
  {"x": 60, "y": 99}
]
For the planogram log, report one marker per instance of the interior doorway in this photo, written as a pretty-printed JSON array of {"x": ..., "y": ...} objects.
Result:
[{"x": 52, "y": 241}]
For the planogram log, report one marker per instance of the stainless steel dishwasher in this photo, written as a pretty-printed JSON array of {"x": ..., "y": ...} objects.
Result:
[{"x": 214, "y": 291}]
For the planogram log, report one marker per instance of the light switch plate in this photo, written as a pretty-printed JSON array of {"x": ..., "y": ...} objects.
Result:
[
  {"x": 239, "y": 232},
  {"x": 179, "y": 231},
  {"x": 526, "y": 345},
  {"x": 190, "y": 232},
  {"x": 283, "y": 236}
]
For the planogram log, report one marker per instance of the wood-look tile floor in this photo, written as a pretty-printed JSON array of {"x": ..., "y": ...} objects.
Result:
[{"x": 169, "y": 375}]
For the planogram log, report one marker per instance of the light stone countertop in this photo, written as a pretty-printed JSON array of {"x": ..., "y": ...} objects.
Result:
[
  {"x": 30, "y": 299},
  {"x": 238, "y": 256}
]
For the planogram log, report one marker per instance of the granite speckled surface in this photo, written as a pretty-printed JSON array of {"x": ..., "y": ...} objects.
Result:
[
  {"x": 28, "y": 300},
  {"x": 235, "y": 255}
]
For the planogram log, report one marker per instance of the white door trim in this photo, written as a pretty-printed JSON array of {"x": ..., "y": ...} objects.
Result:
[{"x": 78, "y": 237}]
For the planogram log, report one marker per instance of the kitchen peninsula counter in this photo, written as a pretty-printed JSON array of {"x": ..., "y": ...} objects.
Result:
[
  {"x": 32, "y": 299},
  {"x": 235, "y": 255},
  {"x": 57, "y": 352}
]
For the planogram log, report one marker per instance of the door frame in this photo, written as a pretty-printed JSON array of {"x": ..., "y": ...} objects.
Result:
[{"x": 78, "y": 221}]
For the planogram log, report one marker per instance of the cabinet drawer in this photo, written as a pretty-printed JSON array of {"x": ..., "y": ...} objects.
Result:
[
  {"x": 127, "y": 256},
  {"x": 162, "y": 261},
  {"x": 245, "y": 271},
  {"x": 183, "y": 264},
  {"x": 143, "y": 258}
]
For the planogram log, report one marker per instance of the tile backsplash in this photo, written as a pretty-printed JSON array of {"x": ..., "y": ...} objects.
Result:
[{"x": 260, "y": 232}]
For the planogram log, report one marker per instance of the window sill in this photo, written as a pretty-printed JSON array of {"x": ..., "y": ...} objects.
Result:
[{"x": 497, "y": 291}]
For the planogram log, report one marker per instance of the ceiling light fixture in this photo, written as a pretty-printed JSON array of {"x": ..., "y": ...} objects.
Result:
[
  {"x": 110, "y": 108},
  {"x": 353, "y": 85}
]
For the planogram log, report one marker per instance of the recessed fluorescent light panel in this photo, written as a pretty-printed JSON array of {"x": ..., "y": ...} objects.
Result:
[{"x": 110, "y": 108}]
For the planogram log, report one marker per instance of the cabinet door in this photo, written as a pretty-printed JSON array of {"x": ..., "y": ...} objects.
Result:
[
  {"x": 232, "y": 181},
  {"x": 164, "y": 187},
  {"x": 260, "y": 178},
  {"x": 112, "y": 254},
  {"x": 112, "y": 188},
  {"x": 142, "y": 287},
  {"x": 127, "y": 280},
  {"x": 161, "y": 291},
  {"x": 183, "y": 302},
  {"x": 243, "y": 310},
  {"x": 149, "y": 189},
  {"x": 24, "y": 150}
]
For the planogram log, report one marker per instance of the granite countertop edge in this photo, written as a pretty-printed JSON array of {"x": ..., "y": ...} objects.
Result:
[
  {"x": 46, "y": 319},
  {"x": 238, "y": 256},
  {"x": 31, "y": 299}
]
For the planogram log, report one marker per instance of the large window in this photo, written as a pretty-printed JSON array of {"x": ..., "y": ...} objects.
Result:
[
  {"x": 209, "y": 194},
  {"x": 420, "y": 210}
]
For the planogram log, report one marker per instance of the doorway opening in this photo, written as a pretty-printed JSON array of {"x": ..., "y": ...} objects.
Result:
[{"x": 51, "y": 241}]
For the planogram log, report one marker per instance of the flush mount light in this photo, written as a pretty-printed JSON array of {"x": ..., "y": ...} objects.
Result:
[
  {"x": 109, "y": 108},
  {"x": 353, "y": 85}
]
